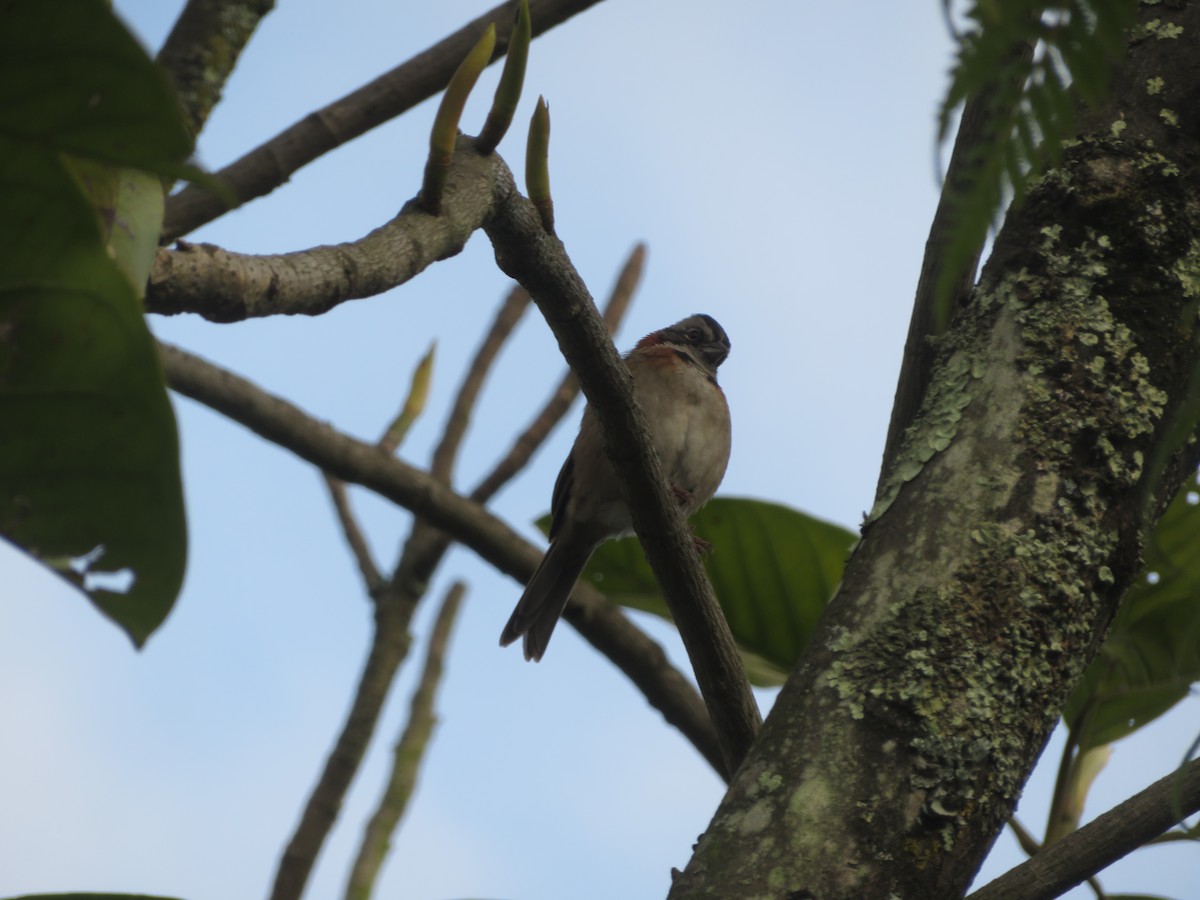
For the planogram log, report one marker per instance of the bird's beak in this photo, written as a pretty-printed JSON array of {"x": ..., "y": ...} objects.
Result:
[{"x": 715, "y": 353}]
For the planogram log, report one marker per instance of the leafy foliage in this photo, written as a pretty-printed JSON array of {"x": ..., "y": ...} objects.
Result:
[
  {"x": 773, "y": 569},
  {"x": 89, "y": 457},
  {"x": 1029, "y": 60}
]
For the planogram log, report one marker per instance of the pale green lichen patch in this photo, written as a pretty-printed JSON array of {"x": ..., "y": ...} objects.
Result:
[
  {"x": 1187, "y": 270},
  {"x": 1169, "y": 116},
  {"x": 813, "y": 800},
  {"x": 1158, "y": 29},
  {"x": 756, "y": 818},
  {"x": 769, "y": 781},
  {"x": 933, "y": 429},
  {"x": 1154, "y": 159},
  {"x": 1154, "y": 85}
]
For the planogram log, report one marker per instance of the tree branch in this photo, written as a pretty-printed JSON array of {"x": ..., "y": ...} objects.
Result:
[
  {"x": 409, "y": 752},
  {"x": 268, "y": 166},
  {"x": 641, "y": 659},
  {"x": 396, "y": 600},
  {"x": 538, "y": 260},
  {"x": 203, "y": 47},
  {"x": 389, "y": 647},
  {"x": 371, "y": 575},
  {"x": 228, "y": 287},
  {"x": 1065, "y": 863}
]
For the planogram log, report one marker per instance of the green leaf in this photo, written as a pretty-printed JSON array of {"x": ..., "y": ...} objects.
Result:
[
  {"x": 89, "y": 456},
  {"x": 129, "y": 204},
  {"x": 73, "y": 79},
  {"x": 773, "y": 569},
  {"x": 1152, "y": 654}
]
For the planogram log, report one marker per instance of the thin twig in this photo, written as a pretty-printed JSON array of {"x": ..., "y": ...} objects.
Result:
[
  {"x": 1024, "y": 837},
  {"x": 1100, "y": 843},
  {"x": 507, "y": 317},
  {"x": 602, "y": 625},
  {"x": 538, "y": 260},
  {"x": 371, "y": 575},
  {"x": 268, "y": 166},
  {"x": 396, "y": 600},
  {"x": 408, "y": 755}
]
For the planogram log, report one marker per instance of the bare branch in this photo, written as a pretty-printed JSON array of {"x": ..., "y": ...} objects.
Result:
[
  {"x": 354, "y": 536},
  {"x": 536, "y": 259},
  {"x": 357, "y": 462},
  {"x": 389, "y": 647},
  {"x": 1121, "y": 830},
  {"x": 227, "y": 287},
  {"x": 203, "y": 47},
  {"x": 409, "y": 752},
  {"x": 506, "y": 320},
  {"x": 267, "y": 167}
]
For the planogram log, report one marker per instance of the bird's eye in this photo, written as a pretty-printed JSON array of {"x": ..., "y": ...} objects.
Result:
[{"x": 693, "y": 335}]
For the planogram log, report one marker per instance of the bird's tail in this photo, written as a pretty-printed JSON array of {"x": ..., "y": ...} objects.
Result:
[{"x": 545, "y": 598}]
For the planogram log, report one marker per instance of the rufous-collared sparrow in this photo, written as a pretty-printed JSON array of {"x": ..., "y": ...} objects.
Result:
[{"x": 675, "y": 378}]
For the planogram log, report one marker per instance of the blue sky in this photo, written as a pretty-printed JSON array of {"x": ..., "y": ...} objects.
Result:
[{"x": 778, "y": 160}]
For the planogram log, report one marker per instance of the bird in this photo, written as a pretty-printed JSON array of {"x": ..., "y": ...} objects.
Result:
[{"x": 674, "y": 374}]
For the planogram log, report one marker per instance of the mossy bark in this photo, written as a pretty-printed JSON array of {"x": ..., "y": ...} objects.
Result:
[{"x": 1008, "y": 527}]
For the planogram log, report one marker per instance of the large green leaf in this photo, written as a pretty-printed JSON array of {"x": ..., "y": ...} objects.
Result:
[
  {"x": 773, "y": 569},
  {"x": 73, "y": 79},
  {"x": 1152, "y": 654},
  {"x": 89, "y": 458}
]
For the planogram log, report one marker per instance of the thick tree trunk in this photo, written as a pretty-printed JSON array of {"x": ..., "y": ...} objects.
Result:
[{"x": 1010, "y": 524}]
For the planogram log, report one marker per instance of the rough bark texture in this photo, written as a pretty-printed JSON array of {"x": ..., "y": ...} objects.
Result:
[
  {"x": 224, "y": 286},
  {"x": 202, "y": 49},
  {"x": 1010, "y": 524}
]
